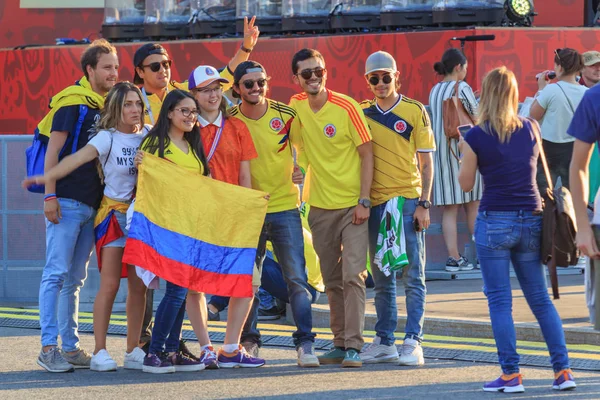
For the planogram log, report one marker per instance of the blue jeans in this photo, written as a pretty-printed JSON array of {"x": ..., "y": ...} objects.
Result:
[
  {"x": 413, "y": 278},
  {"x": 502, "y": 237},
  {"x": 284, "y": 230},
  {"x": 68, "y": 248},
  {"x": 168, "y": 320}
]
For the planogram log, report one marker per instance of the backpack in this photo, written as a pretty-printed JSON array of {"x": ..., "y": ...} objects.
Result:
[
  {"x": 453, "y": 116},
  {"x": 36, "y": 153},
  {"x": 559, "y": 248}
]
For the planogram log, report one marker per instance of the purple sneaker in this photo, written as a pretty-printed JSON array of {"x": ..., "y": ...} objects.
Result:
[
  {"x": 157, "y": 364},
  {"x": 565, "y": 380},
  {"x": 184, "y": 363},
  {"x": 209, "y": 358},
  {"x": 514, "y": 385},
  {"x": 238, "y": 359}
]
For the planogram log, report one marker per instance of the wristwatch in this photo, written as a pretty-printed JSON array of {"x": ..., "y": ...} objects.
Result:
[
  {"x": 365, "y": 203},
  {"x": 245, "y": 49},
  {"x": 425, "y": 204}
]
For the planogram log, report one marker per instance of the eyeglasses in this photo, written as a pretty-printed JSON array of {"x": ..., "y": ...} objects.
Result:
[
  {"x": 208, "y": 90},
  {"x": 374, "y": 80},
  {"x": 155, "y": 66},
  {"x": 249, "y": 84},
  {"x": 308, "y": 73},
  {"x": 186, "y": 112}
]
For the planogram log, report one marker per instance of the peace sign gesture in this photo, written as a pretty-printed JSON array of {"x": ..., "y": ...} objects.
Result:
[{"x": 251, "y": 33}]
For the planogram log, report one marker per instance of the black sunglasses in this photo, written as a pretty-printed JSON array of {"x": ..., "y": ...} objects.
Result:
[
  {"x": 308, "y": 73},
  {"x": 155, "y": 66},
  {"x": 374, "y": 80},
  {"x": 249, "y": 83}
]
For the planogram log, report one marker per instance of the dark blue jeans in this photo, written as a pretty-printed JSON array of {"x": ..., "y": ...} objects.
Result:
[
  {"x": 502, "y": 237},
  {"x": 284, "y": 230},
  {"x": 413, "y": 279},
  {"x": 168, "y": 320}
]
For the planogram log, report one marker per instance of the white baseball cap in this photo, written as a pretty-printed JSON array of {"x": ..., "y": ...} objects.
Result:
[
  {"x": 203, "y": 76},
  {"x": 380, "y": 61}
]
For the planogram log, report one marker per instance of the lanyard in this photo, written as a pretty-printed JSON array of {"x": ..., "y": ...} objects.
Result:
[
  {"x": 148, "y": 108},
  {"x": 216, "y": 141}
]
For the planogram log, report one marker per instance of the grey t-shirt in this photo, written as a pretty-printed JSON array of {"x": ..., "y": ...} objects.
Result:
[{"x": 559, "y": 110}]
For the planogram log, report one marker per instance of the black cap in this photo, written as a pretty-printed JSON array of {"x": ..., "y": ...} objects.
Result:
[
  {"x": 140, "y": 55},
  {"x": 246, "y": 67}
]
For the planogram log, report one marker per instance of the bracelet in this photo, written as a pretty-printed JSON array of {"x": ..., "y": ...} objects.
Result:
[
  {"x": 302, "y": 170},
  {"x": 245, "y": 49},
  {"x": 49, "y": 195},
  {"x": 48, "y": 198}
]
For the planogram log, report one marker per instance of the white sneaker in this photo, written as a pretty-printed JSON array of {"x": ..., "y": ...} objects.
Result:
[
  {"x": 379, "y": 353},
  {"x": 411, "y": 353},
  {"x": 306, "y": 356},
  {"x": 135, "y": 359},
  {"x": 103, "y": 362}
]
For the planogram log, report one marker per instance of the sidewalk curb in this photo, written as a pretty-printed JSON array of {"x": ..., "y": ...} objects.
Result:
[{"x": 470, "y": 328}]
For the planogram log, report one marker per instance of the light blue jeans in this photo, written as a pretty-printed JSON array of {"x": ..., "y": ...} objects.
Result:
[
  {"x": 413, "y": 278},
  {"x": 502, "y": 237},
  {"x": 68, "y": 248}
]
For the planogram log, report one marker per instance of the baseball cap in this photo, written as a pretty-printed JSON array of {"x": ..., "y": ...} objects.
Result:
[
  {"x": 203, "y": 76},
  {"x": 246, "y": 67},
  {"x": 140, "y": 55},
  {"x": 380, "y": 61},
  {"x": 591, "y": 58}
]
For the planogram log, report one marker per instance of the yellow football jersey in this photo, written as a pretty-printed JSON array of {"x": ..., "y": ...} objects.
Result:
[
  {"x": 187, "y": 161},
  {"x": 398, "y": 134},
  {"x": 272, "y": 170},
  {"x": 327, "y": 140}
]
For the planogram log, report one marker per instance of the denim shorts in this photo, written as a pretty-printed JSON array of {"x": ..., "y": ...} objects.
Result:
[{"x": 120, "y": 242}]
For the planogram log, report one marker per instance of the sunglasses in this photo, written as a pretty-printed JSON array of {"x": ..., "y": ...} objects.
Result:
[
  {"x": 374, "y": 80},
  {"x": 249, "y": 84},
  {"x": 308, "y": 73},
  {"x": 186, "y": 112},
  {"x": 155, "y": 66},
  {"x": 557, "y": 55}
]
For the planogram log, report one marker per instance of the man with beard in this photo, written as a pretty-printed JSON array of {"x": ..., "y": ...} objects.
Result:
[
  {"x": 333, "y": 141},
  {"x": 590, "y": 75},
  {"x": 402, "y": 148},
  {"x": 70, "y": 206},
  {"x": 274, "y": 172}
]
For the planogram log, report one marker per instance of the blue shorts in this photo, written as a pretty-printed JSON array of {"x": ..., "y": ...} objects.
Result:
[{"x": 120, "y": 242}]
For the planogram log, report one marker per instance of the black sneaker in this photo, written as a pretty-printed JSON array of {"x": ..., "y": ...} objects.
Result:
[
  {"x": 146, "y": 347},
  {"x": 213, "y": 316},
  {"x": 185, "y": 351},
  {"x": 271, "y": 314}
]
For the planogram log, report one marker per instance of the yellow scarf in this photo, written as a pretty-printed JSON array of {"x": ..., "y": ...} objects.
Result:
[{"x": 80, "y": 93}]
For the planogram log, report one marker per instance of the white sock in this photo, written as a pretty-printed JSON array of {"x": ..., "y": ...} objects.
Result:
[
  {"x": 230, "y": 348},
  {"x": 206, "y": 346}
]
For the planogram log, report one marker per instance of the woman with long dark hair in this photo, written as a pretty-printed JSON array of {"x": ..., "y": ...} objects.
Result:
[
  {"x": 446, "y": 191},
  {"x": 504, "y": 148},
  {"x": 120, "y": 132},
  {"x": 175, "y": 137}
]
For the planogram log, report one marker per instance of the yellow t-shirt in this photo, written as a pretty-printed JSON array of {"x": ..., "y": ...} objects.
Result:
[
  {"x": 398, "y": 134},
  {"x": 187, "y": 161},
  {"x": 154, "y": 103},
  {"x": 272, "y": 170},
  {"x": 326, "y": 142}
]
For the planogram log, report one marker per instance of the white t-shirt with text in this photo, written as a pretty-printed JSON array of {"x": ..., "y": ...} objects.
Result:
[{"x": 116, "y": 153}]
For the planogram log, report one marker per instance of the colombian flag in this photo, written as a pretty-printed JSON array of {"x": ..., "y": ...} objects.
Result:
[
  {"x": 107, "y": 229},
  {"x": 194, "y": 231}
]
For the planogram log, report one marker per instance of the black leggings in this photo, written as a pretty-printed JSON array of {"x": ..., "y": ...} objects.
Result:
[{"x": 559, "y": 160}]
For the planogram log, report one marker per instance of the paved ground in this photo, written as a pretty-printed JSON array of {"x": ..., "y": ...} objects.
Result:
[{"x": 21, "y": 378}]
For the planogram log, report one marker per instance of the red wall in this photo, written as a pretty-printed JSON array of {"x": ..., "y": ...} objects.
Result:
[
  {"x": 19, "y": 26},
  {"x": 32, "y": 76},
  {"x": 42, "y": 26}
]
